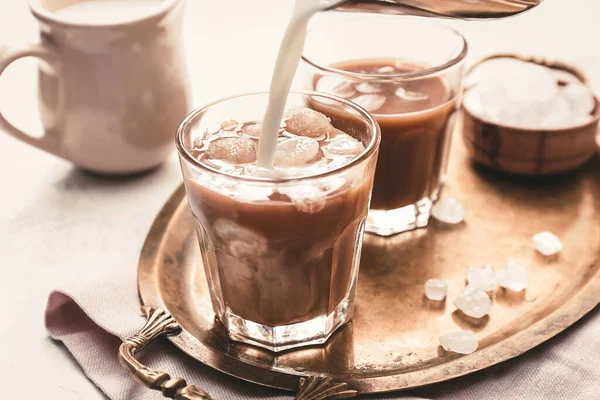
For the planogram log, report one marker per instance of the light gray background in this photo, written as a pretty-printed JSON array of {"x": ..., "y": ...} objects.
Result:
[{"x": 59, "y": 225}]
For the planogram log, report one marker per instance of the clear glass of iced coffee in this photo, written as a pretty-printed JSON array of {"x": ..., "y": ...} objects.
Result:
[
  {"x": 408, "y": 74},
  {"x": 280, "y": 247}
]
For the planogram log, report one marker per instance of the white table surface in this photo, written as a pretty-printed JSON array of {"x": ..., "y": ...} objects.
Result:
[{"x": 56, "y": 222}]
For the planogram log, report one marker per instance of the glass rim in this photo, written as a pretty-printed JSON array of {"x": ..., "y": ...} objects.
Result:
[
  {"x": 41, "y": 13},
  {"x": 404, "y": 75},
  {"x": 191, "y": 117}
]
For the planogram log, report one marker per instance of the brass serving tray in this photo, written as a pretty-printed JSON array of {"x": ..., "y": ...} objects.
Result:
[{"x": 392, "y": 342}]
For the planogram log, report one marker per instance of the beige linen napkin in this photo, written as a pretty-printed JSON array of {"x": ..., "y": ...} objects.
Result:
[{"x": 91, "y": 319}]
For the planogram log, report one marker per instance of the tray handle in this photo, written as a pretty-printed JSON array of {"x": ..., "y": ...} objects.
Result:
[{"x": 159, "y": 323}]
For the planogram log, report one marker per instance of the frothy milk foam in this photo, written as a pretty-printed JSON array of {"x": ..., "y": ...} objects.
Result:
[
  {"x": 288, "y": 59},
  {"x": 107, "y": 11}
]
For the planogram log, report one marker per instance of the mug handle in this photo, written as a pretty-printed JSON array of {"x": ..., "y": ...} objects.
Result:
[{"x": 47, "y": 54}]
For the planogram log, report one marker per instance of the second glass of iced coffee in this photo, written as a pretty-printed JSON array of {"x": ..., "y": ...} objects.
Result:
[
  {"x": 408, "y": 73},
  {"x": 280, "y": 247}
]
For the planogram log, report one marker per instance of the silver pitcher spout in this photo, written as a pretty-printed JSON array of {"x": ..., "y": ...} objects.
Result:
[{"x": 461, "y": 9}]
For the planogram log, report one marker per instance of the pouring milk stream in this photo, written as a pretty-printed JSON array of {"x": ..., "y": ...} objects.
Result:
[{"x": 288, "y": 60}]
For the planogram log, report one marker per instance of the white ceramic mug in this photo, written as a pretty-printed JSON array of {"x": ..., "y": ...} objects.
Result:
[{"x": 111, "y": 95}]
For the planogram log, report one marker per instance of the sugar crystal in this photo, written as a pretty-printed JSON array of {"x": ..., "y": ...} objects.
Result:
[
  {"x": 473, "y": 302},
  {"x": 482, "y": 277},
  {"x": 449, "y": 211},
  {"x": 436, "y": 289},
  {"x": 547, "y": 243},
  {"x": 513, "y": 276},
  {"x": 461, "y": 342}
]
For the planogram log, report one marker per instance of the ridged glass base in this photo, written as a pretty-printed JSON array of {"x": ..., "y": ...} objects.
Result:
[
  {"x": 391, "y": 222},
  {"x": 405, "y": 219},
  {"x": 280, "y": 338}
]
